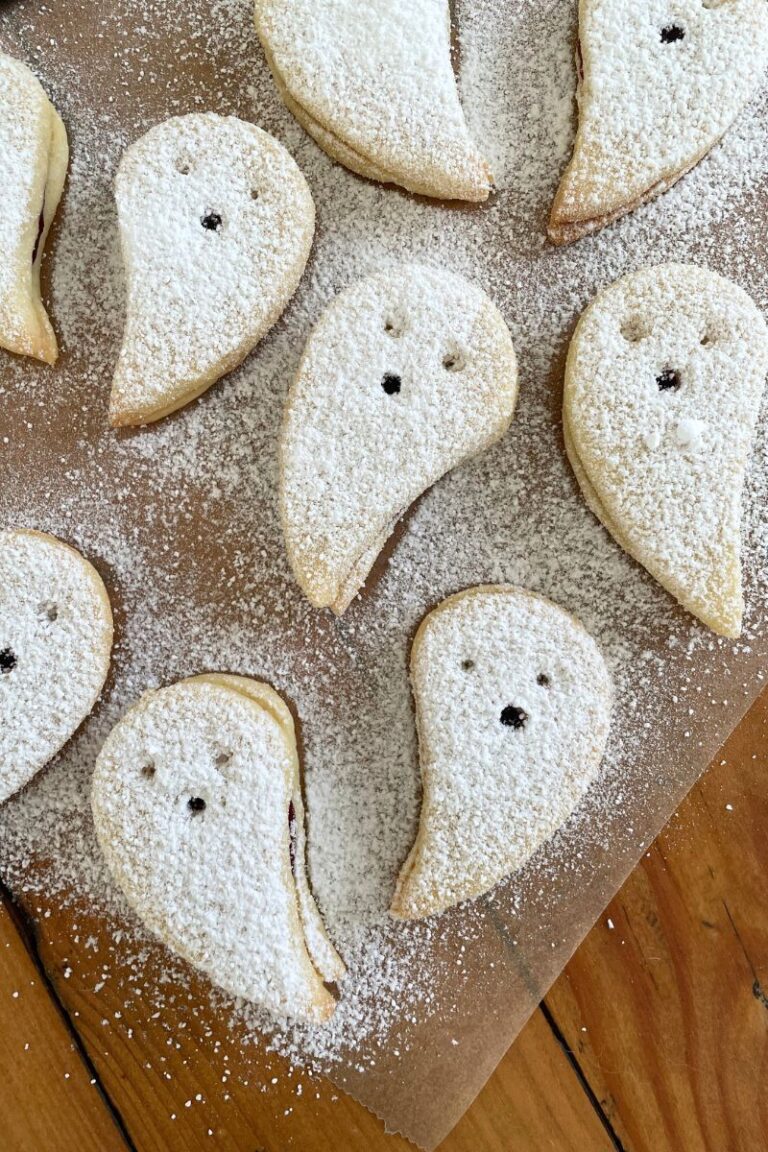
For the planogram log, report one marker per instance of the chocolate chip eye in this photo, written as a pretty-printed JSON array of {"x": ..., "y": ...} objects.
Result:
[
  {"x": 391, "y": 384},
  {"x": 148, "y": 770},
  {"x": 514, "y": 717},
  {"x": 467, "y": 665},
  {"x": 543, "y": 680},
  {"x": 668, "y": 381},
  {"x": 49, "y": 611},
  {"x": 196, "y": 804},
  {"x": 8, "y": 660},
  {"x": 211, "y": 221},
  {"x": 672, "y": 33},
  {"x": 634, "y": 330}
]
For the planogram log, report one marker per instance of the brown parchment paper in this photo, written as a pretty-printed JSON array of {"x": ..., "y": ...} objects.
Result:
[{"x": 114, "y": 69}]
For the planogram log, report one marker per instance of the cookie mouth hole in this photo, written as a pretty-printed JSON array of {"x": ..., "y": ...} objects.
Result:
[
  {"x": 211, "y": 221},
  {"x": 148, "y": 770},
  {"x": 543, "y": 680},
  {"x": 391, "y": 384},
  {"x": 634, "y": 330},
  {"x": 668, "y": 381},
  {"x": 8, "y": 660},
  {"x": 467, "y": 664},
  {"x": 514, "y": 717},
  {"x": 49, "y": 611},
  {"x": 672, "y": 34},
  {"x": 196, "y": 804}
]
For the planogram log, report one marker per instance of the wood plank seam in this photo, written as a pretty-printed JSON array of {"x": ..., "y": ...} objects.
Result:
[
  {"x": 581, "y": 1077},
  {"x": 26, "y": 930},
  {"x": 757, "y": 988}
]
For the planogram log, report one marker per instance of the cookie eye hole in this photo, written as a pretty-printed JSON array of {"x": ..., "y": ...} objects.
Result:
[
  {"x": 183, "y": 166},
  {"x": 634, "y": 330},
  {"x": 708, "y": 339},
  {"x": 543, "y": 680},
  {"x": 222, "y": 758},
  {"x": 211, "y": 221},
  {"x": 8, "y": 660},
  {"x": 148, "y": 770},
  {"x": 255, "y": 193},
  {"x": 453, "y": 361},
  {"x": 393, "y": 327},
  {"x": 672, "y": 33},
  {"x": 48, "y": 610},
  {"x": 514, "y": 717},
  {"x": 391, "y": 384},
  {"x": 196, "y": 804},
  {"x": 467, "y": 664},
  {"x": 668, "y": 381}
]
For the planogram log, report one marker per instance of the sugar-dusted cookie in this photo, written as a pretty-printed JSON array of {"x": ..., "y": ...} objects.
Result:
[
  {"x": 513, "y": 704},
  {"x": 662, "y": 390},
  {"x": 197, "y": 806},
  {"x": 374, "y": 85},
  {"x": 660, "y": 83},
  {"x": 33, "y": 167},
  {"x": 55, "y": 645},
  {"x": 406, "y": 374},
  {"x": 216, "y": 224}
]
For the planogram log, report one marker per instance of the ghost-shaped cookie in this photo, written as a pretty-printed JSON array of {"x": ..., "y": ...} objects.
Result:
[
  {"x": 513, "y": 703},
  {"x": 406, "y": 374},
  {"x": 216, "y": 224},
  {"x": 55, "y": 645},
  {"x": 663, "y": 385},
  {"x": 197, "y": 806},
  {"x": 33, "y": 167},
  {"x": 373, "y": 84},
  {"x": 660, "y": 82}
]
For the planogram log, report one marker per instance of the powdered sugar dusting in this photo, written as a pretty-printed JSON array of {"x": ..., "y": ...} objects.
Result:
[
  {"x": 55, "y": 641},
  {"x": 216, "y": 224},
  {"x": 513, "y": 702},
  {"x": 374, "y": 84},
  {"x": 184, "y": 518},
  {"x": 406, "y": 375}
]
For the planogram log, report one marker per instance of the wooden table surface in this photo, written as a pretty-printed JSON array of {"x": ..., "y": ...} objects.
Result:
[{"x": 655, "y": 1038}]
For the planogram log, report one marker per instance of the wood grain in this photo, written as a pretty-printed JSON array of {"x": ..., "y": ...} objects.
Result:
[
  {"x": 180, "y": 1079},
  {"x": 665, "y": 1003},
  {"x": 49, "y": 1101}
]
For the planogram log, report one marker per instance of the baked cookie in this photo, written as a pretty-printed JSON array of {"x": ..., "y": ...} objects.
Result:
[
  {"x": 55, "y": 645},
  {"x": 197, "y": 805},
  {"x": 406, "y": 374},
  {"x": 663, "y": 384},
  {"x": 513, "y": 704},
  {"x": 33, "y": 167},
  {"x": 216, "y": 224},
  {"x": 660, "y": 82},
  {"x": 374, "y": 86}
]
